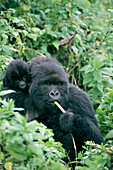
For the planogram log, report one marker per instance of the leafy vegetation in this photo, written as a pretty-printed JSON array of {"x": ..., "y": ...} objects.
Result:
[
  {"x": 26, "y": 145},
  {"x": 80, "y": 35}
]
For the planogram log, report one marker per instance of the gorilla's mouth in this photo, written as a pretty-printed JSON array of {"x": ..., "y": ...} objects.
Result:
[
  {"x": 50, "y": 103},
  {"x": 54, "y": 106}
]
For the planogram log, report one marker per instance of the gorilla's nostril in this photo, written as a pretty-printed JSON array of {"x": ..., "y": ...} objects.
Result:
[
  {"x": 57, "y": 93},
  {"x": 52, "y": 93}
]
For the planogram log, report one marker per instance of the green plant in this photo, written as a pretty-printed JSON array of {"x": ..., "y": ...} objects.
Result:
[
  {"x": 30, "y": 28},
  {"x": 105, "y": 113},
  {"x": 26, "y": 145},
  {"x": 98, "y": 76},
  {"x": 4, "y": 61},
  {"x": 97, "y": 157}
]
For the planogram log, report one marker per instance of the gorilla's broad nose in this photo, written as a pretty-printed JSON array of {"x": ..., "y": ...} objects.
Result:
[
  {"x": 22, "y": 85},
  {"x": 54, "y": 94}
]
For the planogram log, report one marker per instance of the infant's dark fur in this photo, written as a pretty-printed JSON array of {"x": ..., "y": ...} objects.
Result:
[{"x": 17, "y": 78}]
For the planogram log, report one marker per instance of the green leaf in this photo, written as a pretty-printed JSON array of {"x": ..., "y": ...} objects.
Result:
[
  {"x": 108, "y": 71},
  {"x": 109, "y": 135},
  {"x": 95, "y": 92},
  {"x": 18, "y": 152},
  {"x": 8, "y": 165},
  {"x": 99, "y": 64},
  {"x": 87, "y": 78},
  {"x": 75, "y": 49},
  {"x": 32, "y": 125},
  {"x": 16, "y": 34},
  {"x": 28, "y": 137},
  {"x": 97, "y": 75},
  {"x": 56, "y": 44},
  {"x": 26, "y": 7},
  {"x": 57, "y": 166},
  {"x": 4, "y": 92},
  {"x": 35, "y": 148},
  {"x": 100, "y": 87},
  {"x": 16, "y": 20},
  {"x": 32, "y": 36},
  {"x": 18, "y": 109},
  {"x": 37, "y": 31}
]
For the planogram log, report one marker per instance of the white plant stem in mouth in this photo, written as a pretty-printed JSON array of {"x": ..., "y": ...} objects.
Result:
[{"x": 60, "y": 107}]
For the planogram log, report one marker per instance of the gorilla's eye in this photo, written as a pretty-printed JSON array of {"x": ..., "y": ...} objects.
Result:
[
  {"x": 24, "y": 78},
  {"x": 60, "y": 83},
  {"x": 49, "y": 83}
]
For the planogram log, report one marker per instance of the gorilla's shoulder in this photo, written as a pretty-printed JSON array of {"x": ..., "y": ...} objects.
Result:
[{"x": 80, "y": 99}]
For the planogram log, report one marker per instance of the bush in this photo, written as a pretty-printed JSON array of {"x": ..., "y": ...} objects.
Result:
[
  {"x": 97, "y": 157},
  {"x": 26, "y": 145},
  {"x": 80, "y": 34}
]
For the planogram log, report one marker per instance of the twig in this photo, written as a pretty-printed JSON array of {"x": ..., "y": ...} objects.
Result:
[{"x": 60, "y": 107}]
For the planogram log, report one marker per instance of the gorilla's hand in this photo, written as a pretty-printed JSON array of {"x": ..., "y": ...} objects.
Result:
[{"x": 67, "y": 121}]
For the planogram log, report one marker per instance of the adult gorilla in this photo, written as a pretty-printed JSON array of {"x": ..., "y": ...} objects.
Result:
[{"x": 49, "y": 84}]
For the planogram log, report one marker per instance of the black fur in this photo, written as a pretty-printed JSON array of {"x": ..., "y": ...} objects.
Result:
[
  {"x": 17, "y": 78},
  {"x": 49, "y": 84}
]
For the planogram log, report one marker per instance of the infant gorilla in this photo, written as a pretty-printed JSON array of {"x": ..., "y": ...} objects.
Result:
[
  {"x": 49, "y": 84},
  {"x": 17, "y": 78}
]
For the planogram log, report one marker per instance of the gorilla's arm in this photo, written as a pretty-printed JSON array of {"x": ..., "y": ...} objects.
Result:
[{"x": 80, "y": 119}]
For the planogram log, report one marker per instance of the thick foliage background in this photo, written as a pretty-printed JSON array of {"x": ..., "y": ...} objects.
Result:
[{"x": 80, "y": 35}]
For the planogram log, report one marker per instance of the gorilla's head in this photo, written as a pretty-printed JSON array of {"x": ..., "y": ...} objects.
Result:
[
  {"x": 16, "y": 76},
  {"x": 49, "y": 84}
]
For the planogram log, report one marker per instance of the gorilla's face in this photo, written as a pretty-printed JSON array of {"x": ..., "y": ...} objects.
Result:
[
  {"x": 19, "y": 82},
  {"x": 49, "y": 85},
  {"x": 16, "y": 76}
]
